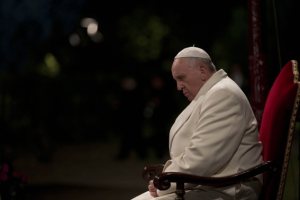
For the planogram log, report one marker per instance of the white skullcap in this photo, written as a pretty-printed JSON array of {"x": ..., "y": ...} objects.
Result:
[{"x": 192, "y": 52}]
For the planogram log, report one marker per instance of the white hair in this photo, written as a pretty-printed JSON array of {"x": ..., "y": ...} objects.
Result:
[{"x": 195, "y": 61}]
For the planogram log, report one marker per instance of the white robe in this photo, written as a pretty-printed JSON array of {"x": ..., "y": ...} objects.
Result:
[{"x": 215, "y": 136}]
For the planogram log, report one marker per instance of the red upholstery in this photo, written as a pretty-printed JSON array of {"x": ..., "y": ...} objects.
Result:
[{"x": 278, "y": 124}]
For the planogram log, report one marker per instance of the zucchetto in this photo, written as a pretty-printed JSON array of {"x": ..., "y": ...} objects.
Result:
[{"x": 192, "y": 52}]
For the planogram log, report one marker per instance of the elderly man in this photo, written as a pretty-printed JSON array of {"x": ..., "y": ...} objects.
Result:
[{"x": 216, "y": 135}]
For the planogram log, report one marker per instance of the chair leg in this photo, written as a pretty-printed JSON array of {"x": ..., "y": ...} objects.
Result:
[{"x": 180, "y": 191}]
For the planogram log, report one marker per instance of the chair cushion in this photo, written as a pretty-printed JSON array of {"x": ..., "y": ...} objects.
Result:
[{"x": 278, "y": 123}]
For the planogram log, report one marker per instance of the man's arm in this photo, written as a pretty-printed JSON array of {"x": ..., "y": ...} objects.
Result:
[{"x": 215, "y": 140}]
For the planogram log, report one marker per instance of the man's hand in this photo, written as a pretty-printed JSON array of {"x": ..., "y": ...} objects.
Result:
[{"x": 152, "y": 189}]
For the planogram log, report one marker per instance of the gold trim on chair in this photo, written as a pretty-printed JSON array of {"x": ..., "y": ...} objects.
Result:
[
  {"x": 291, "y": 131},
  {"x": 295, "y": 71}
]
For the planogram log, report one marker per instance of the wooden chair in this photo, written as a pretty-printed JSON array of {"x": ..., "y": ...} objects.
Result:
[{"x": 276, "y": 135}]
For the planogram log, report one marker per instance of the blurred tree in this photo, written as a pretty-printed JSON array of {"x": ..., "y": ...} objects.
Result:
[
  {"x": 143, "y": 33},
  {"x": 25, "y": 24},
  {"x": 72, "y": 91},
  {"x": 30, "y": 105}
]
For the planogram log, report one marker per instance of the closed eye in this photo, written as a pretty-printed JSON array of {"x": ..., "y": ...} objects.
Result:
[{"x": 180, "y": 77}]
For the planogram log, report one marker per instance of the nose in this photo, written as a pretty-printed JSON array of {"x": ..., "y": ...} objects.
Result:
[{"x": 179, "y": 86}]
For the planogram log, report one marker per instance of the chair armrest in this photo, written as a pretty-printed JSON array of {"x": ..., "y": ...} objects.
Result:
[
  {"x": 151, "y": 171},
  {"x": 163, "y": 181}
]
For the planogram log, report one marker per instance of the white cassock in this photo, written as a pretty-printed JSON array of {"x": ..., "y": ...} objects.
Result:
[{"x": 215, "y": 136}]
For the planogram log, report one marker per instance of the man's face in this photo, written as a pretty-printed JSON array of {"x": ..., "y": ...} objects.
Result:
[{"x": 188, "y": 78}]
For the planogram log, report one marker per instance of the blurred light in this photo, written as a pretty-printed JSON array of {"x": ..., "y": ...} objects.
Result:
[
  {"x": 129, "y": 83},
  {"x": 85, "y": 22},
  {"x": 52, "y": 63},
  {"x": 92, "y": 29},
  {"x": 50, "y": 67},
  {"x": 74, "y": 39},
  {"x": 98, "y": 37},
  {"x": 148, "y": 112},
  {"x": 157, "y": 82}
]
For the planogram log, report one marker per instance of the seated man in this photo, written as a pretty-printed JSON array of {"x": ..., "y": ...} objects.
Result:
[{"x": 216, "y": 135}]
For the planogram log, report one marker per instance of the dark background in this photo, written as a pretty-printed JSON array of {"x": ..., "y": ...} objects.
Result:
[{"x": 115, "y": 96}]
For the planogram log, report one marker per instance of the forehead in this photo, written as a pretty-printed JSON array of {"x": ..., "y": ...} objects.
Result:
[
  {"x": 179, "y": 64},
  {"x": 179, "y": 67}
]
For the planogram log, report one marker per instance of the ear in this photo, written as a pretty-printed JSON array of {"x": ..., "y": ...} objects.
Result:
[{"x": 203, "y": 72}]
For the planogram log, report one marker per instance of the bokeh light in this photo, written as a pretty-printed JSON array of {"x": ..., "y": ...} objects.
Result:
[
  {"x": 74, "y": 39},
  {"x": 50, "y": 67},
  {"x": 92, "y": 29},
  {"x": 128, "y": 83},
  {"x": 85, "y": 22}
]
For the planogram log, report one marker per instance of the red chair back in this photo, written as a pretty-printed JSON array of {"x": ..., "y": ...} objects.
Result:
[{"x": 277, "y": 127}]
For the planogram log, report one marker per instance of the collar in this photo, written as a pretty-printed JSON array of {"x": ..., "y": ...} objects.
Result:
[{"x": 216, "y": 77}]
